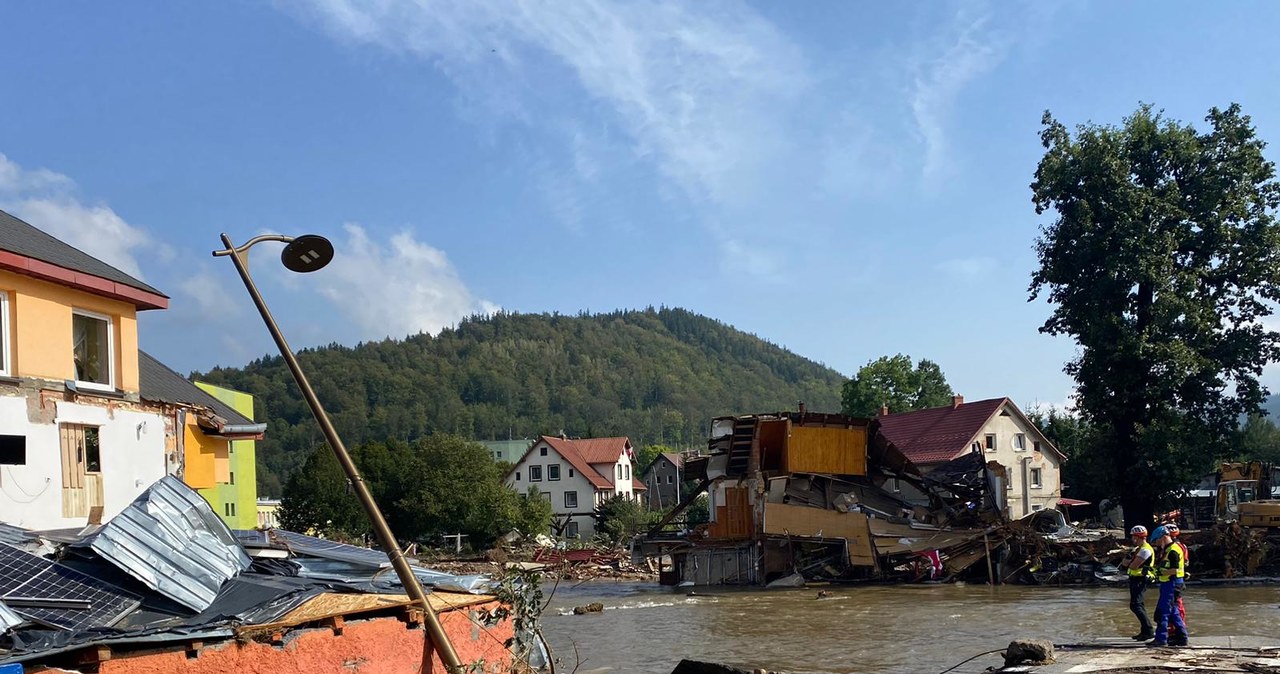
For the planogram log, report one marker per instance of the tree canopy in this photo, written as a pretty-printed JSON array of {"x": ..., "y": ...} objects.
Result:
[
  {"x": 1163, "y": 257},
  {"x": 657, "y": 376},
  {"x": 892, "y": 381},
  {"x": 437, "y": 485}
]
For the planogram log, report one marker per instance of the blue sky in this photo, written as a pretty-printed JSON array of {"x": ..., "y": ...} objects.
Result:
[{"x": 845, "y": 179}]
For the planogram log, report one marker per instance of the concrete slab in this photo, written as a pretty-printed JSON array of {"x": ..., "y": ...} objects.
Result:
[{"x": 1206, "y": 654}]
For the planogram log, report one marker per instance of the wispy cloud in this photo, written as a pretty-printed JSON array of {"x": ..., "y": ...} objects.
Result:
[
  {"x": 972, "y": 49},
  {"x": 399, "y": 288},
  {"x": 50, "y": 201}
]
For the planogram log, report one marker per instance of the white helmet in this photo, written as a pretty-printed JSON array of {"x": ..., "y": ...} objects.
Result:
[{"x": 1138, "y": 531}]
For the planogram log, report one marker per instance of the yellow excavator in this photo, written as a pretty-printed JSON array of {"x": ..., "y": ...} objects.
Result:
[{"x": 1245, "y": 495}]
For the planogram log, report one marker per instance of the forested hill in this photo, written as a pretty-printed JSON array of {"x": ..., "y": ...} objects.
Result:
[{"x": 657, "y": 376}]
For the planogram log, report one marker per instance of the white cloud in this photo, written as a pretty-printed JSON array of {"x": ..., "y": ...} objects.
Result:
[
  {"x": 398, "y": 289},
  {"x": 209, "y": 294},
  {"x": 972, "y": 50},
  {"x": 966, "y": 267},
  {"x": 48, "y": 200},
  {"x": 695, "y": 88}
]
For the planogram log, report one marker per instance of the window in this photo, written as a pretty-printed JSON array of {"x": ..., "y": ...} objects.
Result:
[
  {"x": 13, "y": 450},
  {"x": 1037, "y": 446},
  {"x": 618, "y": 470},
  {"x": 1037, "y": 508},
  {"x": 231, "y": 477},
  {"x": 1035, "y": 478},
  {"x": 542, "y": 452},
  {"x": 5, "y": 369},
  {"x": 553, "y": 471},
  {"x": 92, "y": 347},
  {"x": 1019, "y": 442},
  {"x": 229, "y": 509},
  {"x": 535, "y": 473},
  {"x": 991, "y": 442},
  {"x": 975, "y": 447},
  {"x": 570, "y": 472},
  {"x": 546, "y": 496},
  {"x": 517, "y": 476},
  {"x": 571, "y": 499},
  {"x": 671, "y": 479},
  {"x": 92, "y": 451},
  {"x": 571, "y": 530}
]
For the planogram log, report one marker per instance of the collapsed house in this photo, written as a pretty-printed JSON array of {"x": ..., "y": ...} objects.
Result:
[
  {"x": 166, "y": 586},
  {"x": 799, "y": 496}
]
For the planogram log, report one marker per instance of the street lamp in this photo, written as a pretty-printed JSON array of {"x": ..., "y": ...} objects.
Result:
[{"x": 305, "y": 254}]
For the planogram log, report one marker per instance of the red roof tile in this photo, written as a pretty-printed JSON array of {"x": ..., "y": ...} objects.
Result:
[
  {"x": 582, "y": 453},
  {"x": 939, "y": 433}
]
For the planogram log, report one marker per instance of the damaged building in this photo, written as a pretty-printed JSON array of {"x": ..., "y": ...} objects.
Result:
[{"x": 799, "y": 496}]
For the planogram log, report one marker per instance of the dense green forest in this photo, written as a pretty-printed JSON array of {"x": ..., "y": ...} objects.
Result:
[{"x": 657, "y": 376}]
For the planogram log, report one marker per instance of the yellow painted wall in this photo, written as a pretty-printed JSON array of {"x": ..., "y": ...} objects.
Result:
[
  {"x": 206, "y": 458},
  {"x": 40, "y": 323},
  {"x": 244, "y": 492}
]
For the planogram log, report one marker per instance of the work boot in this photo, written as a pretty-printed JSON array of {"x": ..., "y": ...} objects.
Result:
[
  {"x": 1144, "y": 635},
  {"x": 1178, "y": 641},
  {"x": 1157, "y": 644}
]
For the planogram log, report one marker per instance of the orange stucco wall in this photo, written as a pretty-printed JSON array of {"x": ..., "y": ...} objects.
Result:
[
  {"x": 40, "y": 323},
  {"x": 206, "y": 459},
  {"x": 378, "y": 646}
]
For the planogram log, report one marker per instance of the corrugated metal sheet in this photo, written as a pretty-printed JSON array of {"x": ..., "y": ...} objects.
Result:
[
  {"x": 8, "y": 619},
  {"x": 171, "y": 540}
]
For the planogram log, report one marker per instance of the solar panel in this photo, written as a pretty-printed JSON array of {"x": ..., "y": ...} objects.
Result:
[{"x": 58, "y": 595}]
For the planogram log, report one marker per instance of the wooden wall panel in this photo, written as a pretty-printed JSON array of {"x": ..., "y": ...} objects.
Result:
[
  {"x": 789, "y": 520},
  {"x": 835, "y": 451}
]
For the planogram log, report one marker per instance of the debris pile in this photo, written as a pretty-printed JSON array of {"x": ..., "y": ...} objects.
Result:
[{"x": 167, "y": 573}]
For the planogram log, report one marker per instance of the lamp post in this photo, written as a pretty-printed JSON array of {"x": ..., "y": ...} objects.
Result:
[{"x": 305, "y": 254}]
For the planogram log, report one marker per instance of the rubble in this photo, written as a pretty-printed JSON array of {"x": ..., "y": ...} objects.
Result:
[
  {"x": 167, "y": 576},
  {"x": 593, "y": 607}
]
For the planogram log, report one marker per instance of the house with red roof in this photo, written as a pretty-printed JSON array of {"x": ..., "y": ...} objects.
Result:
[
  {"x": 576, "y": 475},
  {"x": 998, "y": 430}
]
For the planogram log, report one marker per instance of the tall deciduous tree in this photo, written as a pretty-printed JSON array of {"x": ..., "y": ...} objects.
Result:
[
  {"x": 1163, "y": 258},
  {"x": 893, "y": 381}
]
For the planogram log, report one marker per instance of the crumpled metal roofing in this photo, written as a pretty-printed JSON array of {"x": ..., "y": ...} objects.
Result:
[
  {"x": 171, "y": 540},
  {"x": 8, "y": 619}
]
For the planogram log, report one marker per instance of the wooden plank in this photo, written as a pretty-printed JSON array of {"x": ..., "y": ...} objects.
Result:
[
  {"x": 324, "y": 608},
  {"x": 836, "y": 451},
  {"x": 781, "y": 519}
]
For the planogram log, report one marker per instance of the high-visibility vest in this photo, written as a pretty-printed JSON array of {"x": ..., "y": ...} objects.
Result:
[
  {"x": 1148, "y": 565},
  {"x": 1186, "y": 557},
  {"x": 1172, "y": 563}
]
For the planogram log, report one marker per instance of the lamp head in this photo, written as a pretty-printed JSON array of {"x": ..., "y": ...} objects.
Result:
[{"x": 307, "y": 253}]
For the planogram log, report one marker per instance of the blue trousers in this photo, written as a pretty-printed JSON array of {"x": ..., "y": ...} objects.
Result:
[{"x": 1167, "y": 611}]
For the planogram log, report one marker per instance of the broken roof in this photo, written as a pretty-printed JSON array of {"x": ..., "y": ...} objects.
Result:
[
  {"x": 940, "y": 434},
  {"x": 28, "y": 250},
  {"x": 171, "y": 540},
  {"x": 156, "y": 382}
]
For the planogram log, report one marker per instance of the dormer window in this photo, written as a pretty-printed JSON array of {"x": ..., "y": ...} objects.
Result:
[{"x": 93, "y": 344}]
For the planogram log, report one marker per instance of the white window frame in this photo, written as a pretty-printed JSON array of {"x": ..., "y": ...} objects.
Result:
[
  {"x": 990, "y": 441},
  {"x": 535, "y": 477},
  {"x": 110, "y": 356},
  {"x": 1036, "y": 477},
  {"x": 6, "y": 367},
  {"x": 1019, "y": 442},
  {"x": 575, "y": 499},
  {"x": 553, "y": 472}
]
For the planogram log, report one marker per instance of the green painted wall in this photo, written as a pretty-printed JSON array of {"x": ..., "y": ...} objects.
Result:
[{"x": 244, "y": 471}]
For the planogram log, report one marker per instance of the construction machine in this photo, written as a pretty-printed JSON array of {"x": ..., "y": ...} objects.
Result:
[{"x": 1245, "y": 495}]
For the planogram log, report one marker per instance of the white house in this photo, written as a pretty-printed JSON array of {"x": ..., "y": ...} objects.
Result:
[
  {"x": 998, "y": 430},
  {"x": 576, "y": 475},
  {"x": 77, "y": 442}
]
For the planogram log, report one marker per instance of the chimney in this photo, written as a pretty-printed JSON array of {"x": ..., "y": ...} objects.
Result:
[
  {"x": 884, "y": 410},
  {"x": 956, "y": 401}
]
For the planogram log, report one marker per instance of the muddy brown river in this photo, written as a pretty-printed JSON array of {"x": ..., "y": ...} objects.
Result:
[{"x": 917, "y": 629}]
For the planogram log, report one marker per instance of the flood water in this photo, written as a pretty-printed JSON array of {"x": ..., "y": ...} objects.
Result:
[{"x": 647, "y": 629}]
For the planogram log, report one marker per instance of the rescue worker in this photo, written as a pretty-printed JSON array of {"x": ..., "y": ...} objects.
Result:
[
  {"x": 1170, "y": 568},
  {"x": 1141, "y": 567},
  {"x": 1181, "y": 584}
]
